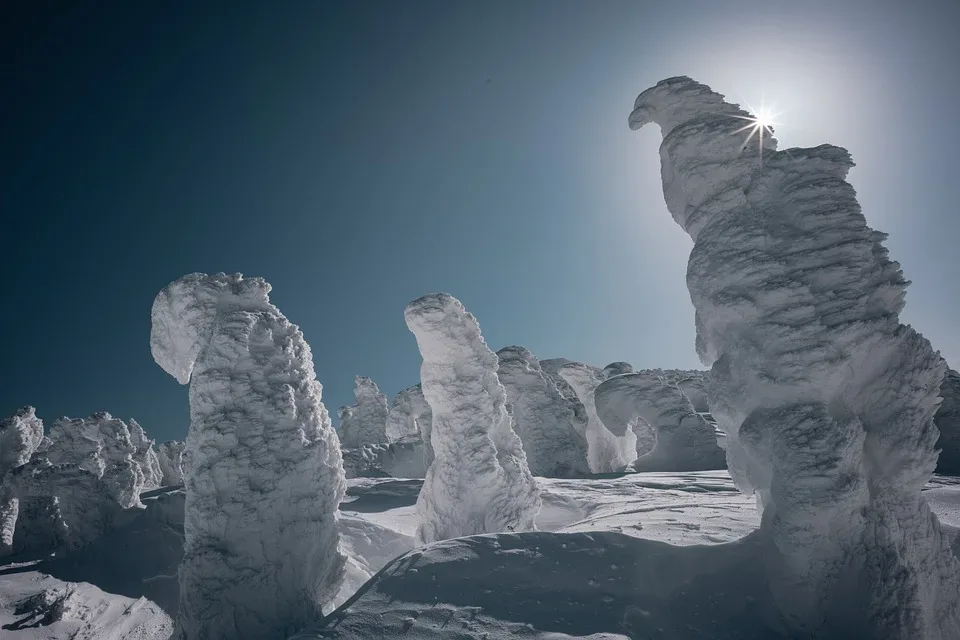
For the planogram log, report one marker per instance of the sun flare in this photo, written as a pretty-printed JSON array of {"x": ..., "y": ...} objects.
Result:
[{"x": 760, "y": 122}]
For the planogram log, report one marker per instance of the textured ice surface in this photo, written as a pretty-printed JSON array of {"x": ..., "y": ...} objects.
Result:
[
  {"x": 826, "y": 399},
  {"x": 683, "y": 440},
  {"x": 263, "y": 472},
  {"x": 544, "y": 420},
  {"x": 365, "y": 421},
  {"x": 170, "y": 455},
  {"x": 403, "y": 459},
  {"x": 145, "y": 455},
  {"x": 606, "y": 451},
  {"x": 947, "y": 420},
  {"x": 479, "y": 481},
  {"x": 407, "y": 414},
  {"x": 20, "y": 435}
]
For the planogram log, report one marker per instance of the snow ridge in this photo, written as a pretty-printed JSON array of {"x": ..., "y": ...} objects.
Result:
[
  {"x": 263, "y": 474},
  {"x": 479, "y": 481}
]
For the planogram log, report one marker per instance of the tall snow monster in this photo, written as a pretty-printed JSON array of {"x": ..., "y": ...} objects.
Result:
[
  {"x": 479, "y": 481},
  {"x": 827, "y": 399},
  {"x": 264, "y": 474}
]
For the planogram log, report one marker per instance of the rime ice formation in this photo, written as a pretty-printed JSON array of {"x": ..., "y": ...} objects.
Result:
[
  {"x": 407, "y": 411},
  {"x": 170, "y": 455},
  {"x": 20, "y": 435},
  {"x": 683, "y": 440},
  {"x": 102, "y": 445},
  {"x": 947, "y": 420},
  {"x": 826, "y": 399},
  {"x": 695, "y": 388},
  {"x": 403, "y": 459},
  {"x": 607, "y": 452},
  {"x": 366, "y": 421},
  {"x": 145, "y": 456},
  {"x": 543, "y": 419},
  {"x": 264, "y": 474},
  {"x": 479, "y": 481},
  {"x": 617, "y": 369}
]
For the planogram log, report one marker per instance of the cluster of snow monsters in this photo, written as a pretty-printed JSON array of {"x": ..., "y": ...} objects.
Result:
[
  {"x": 64, "y": 491},
  {"x": 264, "y": 474},
  {"x": 827, "y": 400},
  {"x": 479, "y": 481}
]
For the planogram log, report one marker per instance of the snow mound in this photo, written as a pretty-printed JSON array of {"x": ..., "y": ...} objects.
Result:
[
  {"x": 479, "y": 481},
  {"x": 607, "y": 452},
  {"x": 170, "y": 456},
  {"x": 827, "y": 401},
  {"x": 264, "y": 471},
  {"x": 543, "y": 419},
  {"x": 947, "y": 420},
  {"x": 396, "y": 460},
  {"x": 684, "y": 441},
  {"x": 20, "y": 435},
  {"x": 366, "y": 421}
]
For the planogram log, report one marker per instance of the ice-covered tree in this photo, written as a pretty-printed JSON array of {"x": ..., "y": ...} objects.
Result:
[
  {"x": 264, "y": 474},
  {"x": 827, "y": 400},
  {"x": 365, "y": 422},
  {"x": 170, "y": 455},
  {"x": 947, "y": 420},
  {"x": 479, "y": 481}
]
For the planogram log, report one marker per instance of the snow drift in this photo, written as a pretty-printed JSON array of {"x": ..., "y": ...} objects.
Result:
[
  {"x": 542, "y": 418},
  {"x": 264, "y": 473},
  {"x": 479, "y": 481},
  {"x": 826, "y": 399}
]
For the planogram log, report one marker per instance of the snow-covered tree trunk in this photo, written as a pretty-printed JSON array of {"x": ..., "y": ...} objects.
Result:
[
  {"x": 263, "y": 476},
  {"x": 826, "y": 399},
  {"x": 479, "y": 481}
]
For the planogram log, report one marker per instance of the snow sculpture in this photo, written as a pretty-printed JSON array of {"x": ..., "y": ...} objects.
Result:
[
  {"x": 101, "y": 445},
  {"x": 366, "y": 421},
  {"x": 607, "y": 452},
  {"x": 826, "y": 399},
  {"x": 146, "y": 457},
  {"x": 479, "y": 481},
  {"x": 947, "y": 420},
  {"x": 542, "y": 418},
  {"x": 407, "y": 411},
  {"x": 20, "y": 435},
  {"x": 170, "y": 455},
  {"x": 617, "y": 369},
  {"x": 263, "y": 475},
  {"x": 683, "y": 440}
]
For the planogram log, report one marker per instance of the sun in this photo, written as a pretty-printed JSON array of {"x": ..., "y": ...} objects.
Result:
[{"x": 760, "y": 122}]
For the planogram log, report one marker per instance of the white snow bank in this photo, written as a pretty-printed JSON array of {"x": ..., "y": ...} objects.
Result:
[
  {"x": 365, "y": 421},
  {"x": 827, "y": 401},
  {"x": 479, "y": 481},
  {"x": 543, "y": 419},
  {"x": 264, "y": 473}
]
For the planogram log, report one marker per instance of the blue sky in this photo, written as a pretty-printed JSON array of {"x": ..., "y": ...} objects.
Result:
[{"x": 358, "y": 155}]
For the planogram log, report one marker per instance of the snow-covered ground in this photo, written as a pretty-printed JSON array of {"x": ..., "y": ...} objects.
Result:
[{"x": 610, "y": 571}]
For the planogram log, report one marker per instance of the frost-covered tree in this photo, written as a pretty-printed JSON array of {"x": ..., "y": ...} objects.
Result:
[
  {"x": 365, "y": 422},
  {"x": 170, "y": 456},
  {"x": 145, "y": 456},
  {"x": 264, "y": 474},
  {"x": 607, "y": 452},
  {"x": 479, "y": 481},
  {"x": 20, "y": 435},
  {"x": 683, "y": 440},
  {"x": 543, "y": 419},
  {"x": 827, "y": 400},
  {"x": 947, "y": 420},
  {"x": 407, "y": 410}
]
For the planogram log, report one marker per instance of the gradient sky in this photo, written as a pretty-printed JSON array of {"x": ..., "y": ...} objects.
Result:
[{"x": 360, "y": 154}]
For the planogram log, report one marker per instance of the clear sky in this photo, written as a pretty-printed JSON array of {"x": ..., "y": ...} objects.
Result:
[{"x": 360, "y": 154}]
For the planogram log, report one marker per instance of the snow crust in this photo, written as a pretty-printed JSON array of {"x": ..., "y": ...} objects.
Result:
[
  {"x": 264, "y": 472},
  {"x": 170, "y": 457},
  {"x": 366, "y": 421},
  {"x": 479, "y": 481},
  {"x": 947, "y": 420},
  {"x": 543, "y": 419},
  {"x": 827, "y": 401},
  {"x": 607, "y": 451},
  {"x": 683, "y": 440}
]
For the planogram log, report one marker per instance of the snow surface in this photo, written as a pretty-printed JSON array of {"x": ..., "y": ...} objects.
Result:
[
  {"x": 366, "y": 421},
  {"x": 543, "y": 419},
  {"x": 607, "y": 452},
  {"x": 264, "y": 472},
  {"x": 683, "y": 440},
  {"x": 479, "y": 481},
  {"x": 827, "y": 401}
]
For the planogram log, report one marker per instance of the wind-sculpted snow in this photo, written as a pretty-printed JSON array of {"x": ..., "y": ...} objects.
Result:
[
  {"x": 20, "y": 435},
  {"x": 695, "y": 388},
  {"x": 607, "y": 451},
  {"x": 826, "y": 399},
  {"x": 684, "y": 441},
  {"x": 479, "y": 481},
  {"x": 146, "y": 457},
  {"x": 617, "y": 369},
  {"x": 947, "y": 420},
  {"x": 170, "y": 456},
  {"x": 407, "y": 410},
  {"x": 404, "y": 459},
  {"x": 263, "y": 474},
  {"x": 367, "y": 420},
  {"x": 102, "y": 445},
  {"x": 543, "y": 419}
]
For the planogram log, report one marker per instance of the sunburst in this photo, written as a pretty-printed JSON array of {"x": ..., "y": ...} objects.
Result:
[{"x": 760, "y": 121}]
